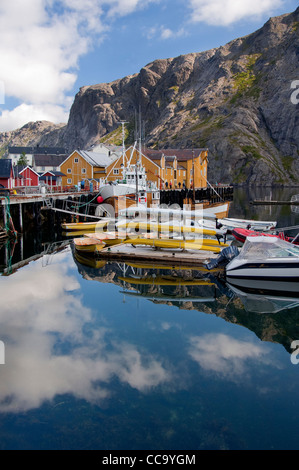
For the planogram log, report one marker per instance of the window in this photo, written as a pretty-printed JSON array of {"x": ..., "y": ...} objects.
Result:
[
  {"x": 76, "y": 160},
  {"x": 69, "y": 170},
  {"x": 69, "y": 181},
  {"x": 116, "y": 172},
  {"x": 83, "y": 171}
]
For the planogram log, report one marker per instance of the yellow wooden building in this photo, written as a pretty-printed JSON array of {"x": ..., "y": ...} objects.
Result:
[
  {"x": 168, "y": 168},
  {"x": 83, "y": 166}
]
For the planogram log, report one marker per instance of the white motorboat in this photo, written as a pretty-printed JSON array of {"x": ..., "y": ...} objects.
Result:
[
  {"x": 258, "y": 225},
  {"x": 265, "y": 259}
]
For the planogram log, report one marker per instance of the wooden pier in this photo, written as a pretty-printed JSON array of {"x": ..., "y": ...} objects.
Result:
[
  {"x": 34, "y": 207},
  {"x": 274, "y": 203},
  {"x": 161, "y": 256}
]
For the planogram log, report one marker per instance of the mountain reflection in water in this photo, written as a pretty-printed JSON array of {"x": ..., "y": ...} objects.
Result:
[
  {"x": 203, "y": 290},
  {"x": 127, "y": 356}
]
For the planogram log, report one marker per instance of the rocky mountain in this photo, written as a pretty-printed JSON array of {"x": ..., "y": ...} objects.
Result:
[
  {"x": 41, "y": 132},
  {"x": 239, "y": 100}
]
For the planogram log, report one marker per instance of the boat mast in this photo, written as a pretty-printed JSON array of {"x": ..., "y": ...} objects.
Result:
[{"x": 123, "y": 123}]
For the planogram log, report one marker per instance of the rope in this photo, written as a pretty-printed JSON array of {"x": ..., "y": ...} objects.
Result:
[
  {"x": 9, "y": 225},
  {"x": 89, "y": 202},
  {"x": 10, "y": 253},
  {"x": 211, "y": 187}
]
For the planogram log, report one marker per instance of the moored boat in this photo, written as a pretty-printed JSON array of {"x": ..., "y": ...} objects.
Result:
[
  {"x": 88, "y": 245},
  {"x": 241, "y": 235},
  {"x": 258, "y": 225},
  {"x": 265, "y": 259}
]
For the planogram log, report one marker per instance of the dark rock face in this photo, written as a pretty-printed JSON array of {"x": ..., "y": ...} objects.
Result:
[{"x": 235, "y": 100}]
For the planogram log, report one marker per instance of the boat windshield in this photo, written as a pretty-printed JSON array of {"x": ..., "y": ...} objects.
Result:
[{"x": 260, "y": 248}]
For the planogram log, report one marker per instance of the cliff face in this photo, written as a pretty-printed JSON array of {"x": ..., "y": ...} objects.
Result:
[
  {"x": 41, "y": 132},
  {"x": 234, "y": 100}
]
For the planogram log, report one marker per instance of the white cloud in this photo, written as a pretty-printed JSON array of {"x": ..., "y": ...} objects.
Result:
[
  {"x": 125, "y": 7},
  {"x": 25, "y": 113},
  {"x": 41, "y": 42},
  {"x": 164, "y": 33},
  {"x": 227, "y": 12}
]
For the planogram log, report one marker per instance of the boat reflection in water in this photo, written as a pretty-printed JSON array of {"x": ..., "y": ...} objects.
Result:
[
  {"x": 265, "y": 297},
  {"x": 159, "y": 283},
  {"x": 272, "y": 314}
]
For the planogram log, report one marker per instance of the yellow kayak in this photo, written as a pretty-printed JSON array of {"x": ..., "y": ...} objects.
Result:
[
  {"x": 85, "y": 226},
  {"x": 174, "y": 244},
  {"x": 166, "y": 228}
]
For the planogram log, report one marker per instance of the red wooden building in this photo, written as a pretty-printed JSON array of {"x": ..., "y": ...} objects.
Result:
[
  {"x": 6, "y": 173},
  {"x": 25, "y": 176}
]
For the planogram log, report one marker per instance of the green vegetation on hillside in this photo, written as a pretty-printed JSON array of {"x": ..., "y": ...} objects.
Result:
[{"x": 245, "y": 83}]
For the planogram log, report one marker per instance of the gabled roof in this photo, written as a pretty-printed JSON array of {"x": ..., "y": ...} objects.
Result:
[
  {"x": 49, "y": 160},
  {"x": 38, "y": 150},
  {"x": 180, "y": 154},
  {"x": 52, "y": 173},
  {"x": 23, "y": 168},
  {"x": 95, "y": 159},
  {"x": 5, "y": 168},
  {"x": 98, "y": 159}
]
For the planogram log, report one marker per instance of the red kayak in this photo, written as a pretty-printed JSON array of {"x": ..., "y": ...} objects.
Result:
[{"x": 241, "y": 234}]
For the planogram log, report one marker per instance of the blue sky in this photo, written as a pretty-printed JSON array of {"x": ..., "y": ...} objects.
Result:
[{"x": 50, "y": 48}]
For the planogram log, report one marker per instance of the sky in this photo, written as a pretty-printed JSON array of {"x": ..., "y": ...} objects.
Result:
[{"x": 51, "y": 48}]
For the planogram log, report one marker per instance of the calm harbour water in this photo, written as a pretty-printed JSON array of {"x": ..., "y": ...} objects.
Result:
[{"x": 129, "y": 357}]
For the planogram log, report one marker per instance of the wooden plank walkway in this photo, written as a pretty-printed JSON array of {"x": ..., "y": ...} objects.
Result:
[{"x": 163, "y": 256}]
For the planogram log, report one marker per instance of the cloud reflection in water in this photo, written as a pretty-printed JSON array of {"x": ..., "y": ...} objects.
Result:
[
  {"x": 42, "y": 308},
  {"x": 227, "y": 356}
]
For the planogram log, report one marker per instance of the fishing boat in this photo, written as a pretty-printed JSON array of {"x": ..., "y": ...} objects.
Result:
[
  {"x": 134, "y": 180},
  {"x": 265, "y": 259},
  {"x": 212, "y": 212},
  {"x": 241, "y": 235}
]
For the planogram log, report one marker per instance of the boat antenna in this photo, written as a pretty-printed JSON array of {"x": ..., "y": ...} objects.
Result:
[
  {"x": 123, "y": 123},
  {"x": 140, "y": 136}
]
